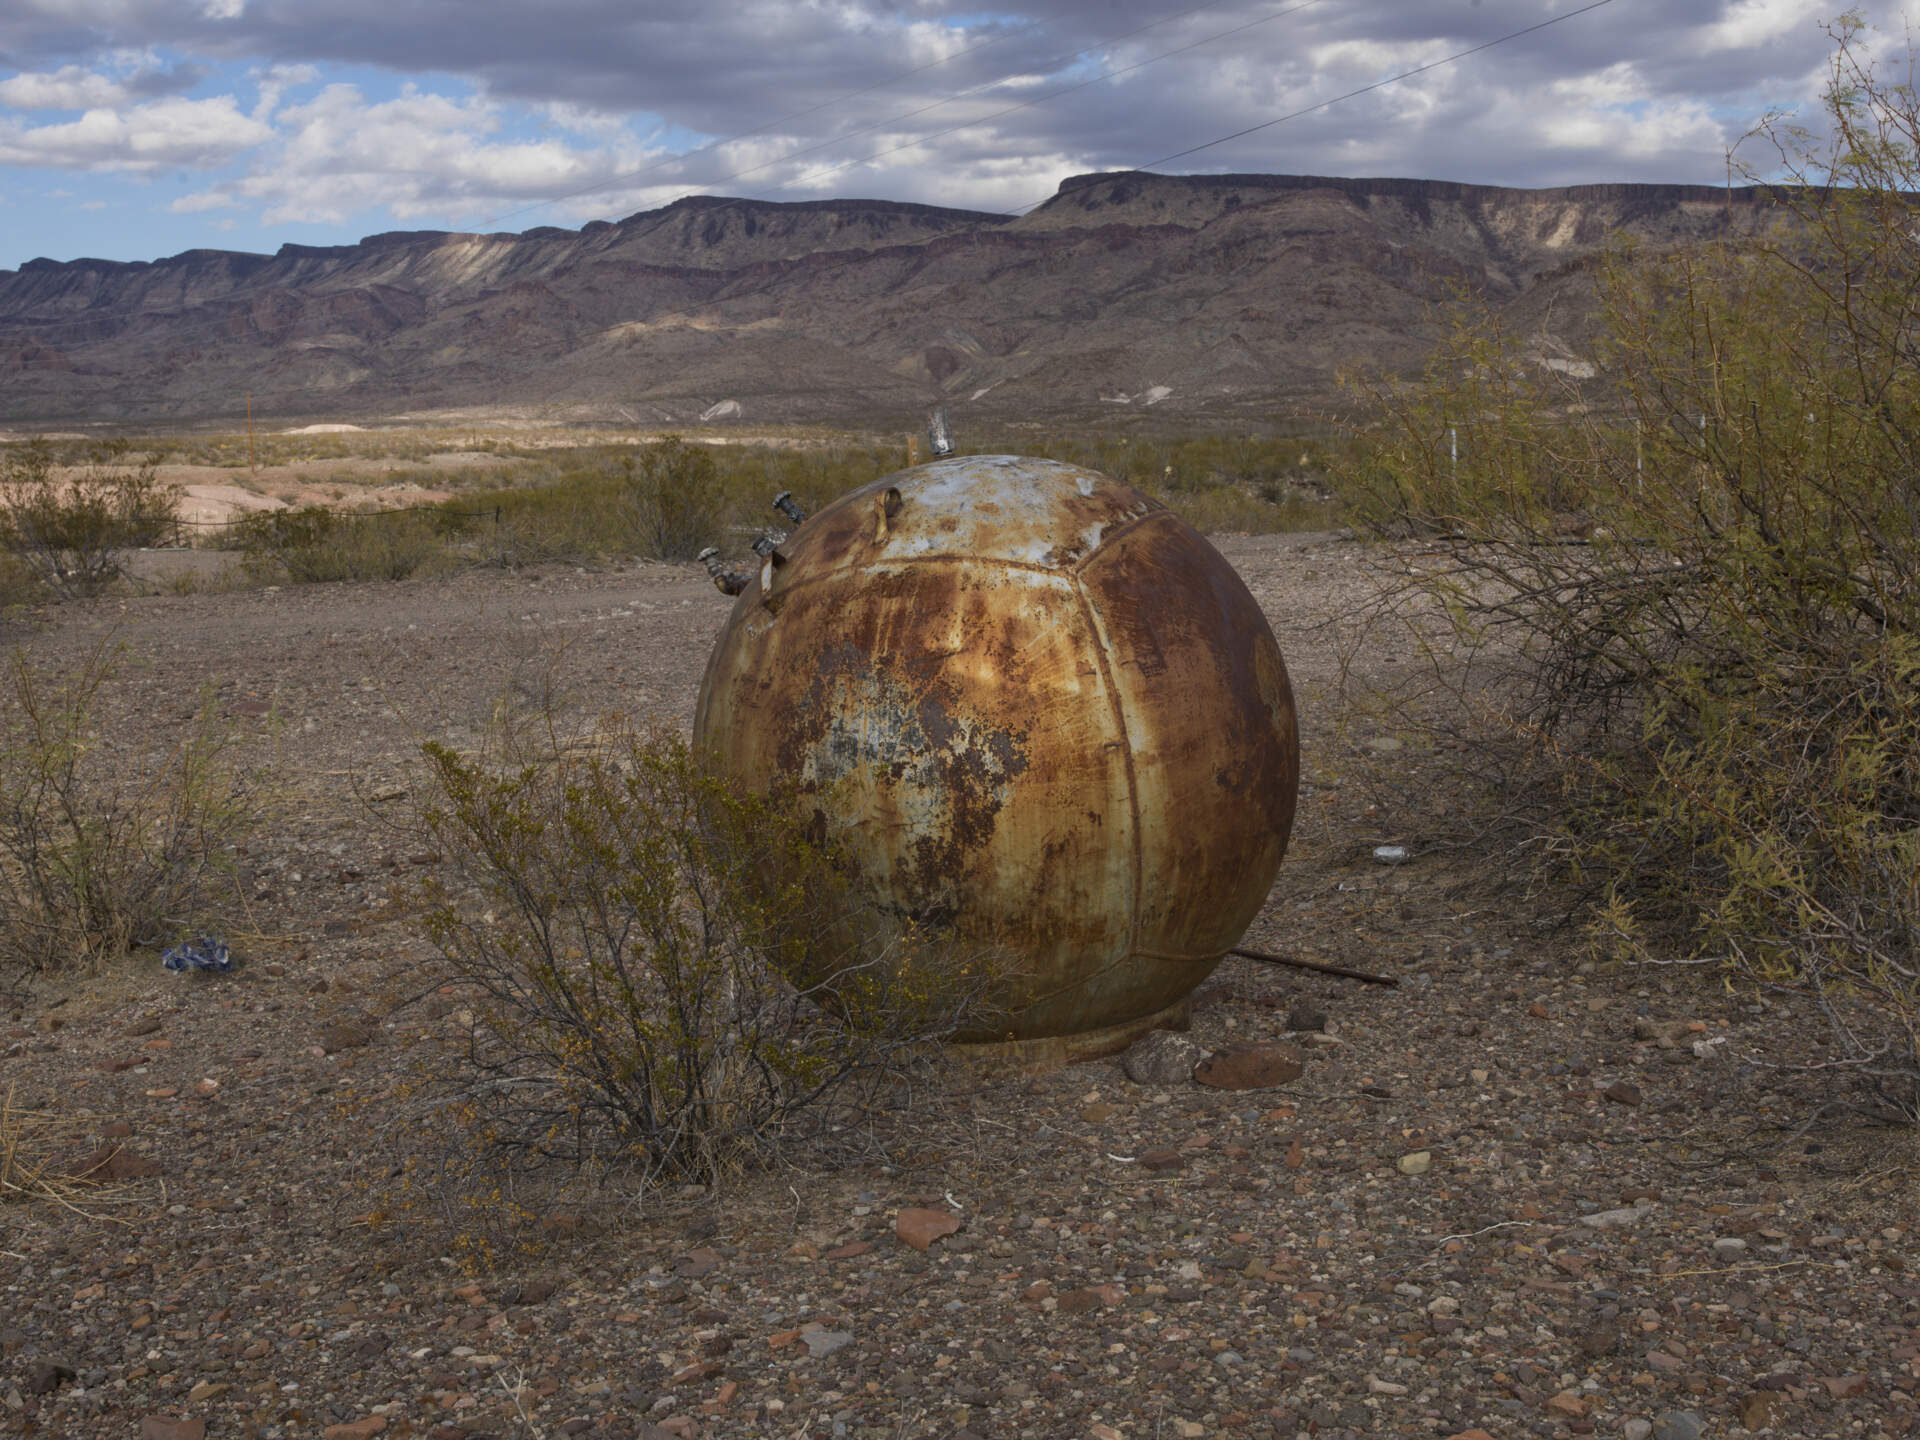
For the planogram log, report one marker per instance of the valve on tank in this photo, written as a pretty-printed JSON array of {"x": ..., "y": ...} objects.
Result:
[{"x": 728, "y": 582}]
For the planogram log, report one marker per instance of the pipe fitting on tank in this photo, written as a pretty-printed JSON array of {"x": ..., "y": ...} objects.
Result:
[
  {"x": 886, "y": 505},
  {"x": 728, "y": 582},
  {"x": 785, "y": 504},
  {"x": 940, "y": 434}
]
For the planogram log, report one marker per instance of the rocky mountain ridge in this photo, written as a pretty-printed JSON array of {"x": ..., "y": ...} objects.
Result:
[{"x": 1205, "y": 298}]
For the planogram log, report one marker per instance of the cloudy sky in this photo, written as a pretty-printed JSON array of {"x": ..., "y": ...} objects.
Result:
[{"x": 132, "y": 129}]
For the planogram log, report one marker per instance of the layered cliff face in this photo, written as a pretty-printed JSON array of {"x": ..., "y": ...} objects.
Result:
[{"x": 1205, "y": 297}]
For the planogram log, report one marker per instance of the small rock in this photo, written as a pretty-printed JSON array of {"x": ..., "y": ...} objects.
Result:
[
  {"x": 1474, "y": 1434},
  {"x": 1667, "y": 1034},
  {"x": 144, "y": 1026},
  {"x": 168, "y": 1427},
  {"x": 1099, "y": 1113},
  {"x": 852, "y": 1250},
  {"x": 1377, "y": 1386},
  {"x": 1665, "y": 1363},
  {"x": 1078, "y": 1302},
  {"x": 1845, "y": 1387},
  {"x": 1161, "y": 1057},
  {"x": 207, "y": 1390},
  {"x": 1567, "y": 1403},
  {"x": 112, "y": 1164},
  {"x": 1250, "y": 1067},
  {"x": 345, "y": 1035},
  {"x": 1162, "y": 1157},
  {"x": 1678, "y": 1425},
  {"x": 920, "y": 1228},
  {"x": 1636, "y": 1430},
  {"x": 697, "y": 1264},
  {"x": 822, "y": 1343},
  {"x": 1418, "y": 1163},
  {"x": 1305, "y": 1016},
  {"x": 1756, "y": 1411},
  {"x": 116, "y": 1130},
  {"x": 356, "y": 1429},
  {"x": 1623, "y": 1092},
  {"x": 1729, "y": 1247},
  {"x": 1617, "y": 1219},
  {"x": 46, "y": 1376}
]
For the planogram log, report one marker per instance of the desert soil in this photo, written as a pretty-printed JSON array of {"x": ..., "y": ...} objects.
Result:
[{"x": 1514, "y": 1194}]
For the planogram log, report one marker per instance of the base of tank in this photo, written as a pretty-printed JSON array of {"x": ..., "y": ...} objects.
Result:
[{"x": 1050, "y": 1052}]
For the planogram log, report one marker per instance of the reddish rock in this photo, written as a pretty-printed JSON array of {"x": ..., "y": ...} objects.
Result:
[
  {"x": 920, "y": 1228},
  {"x": 111, "y": 1164},
  {"x": 1078, "y": 1302},
  {"x": 697, "y": 1264},
  {"x": 1623, "y": 1092},
  {"x": 1162, "y": 1158},
  {"x": 356, "y": 1430},
  {"x": 1845, "y": 1387},
  {"x": 168, "y": 1427},
  {"x": 852, "y": 1250},
  {"x": 1251, "y": 1067}
]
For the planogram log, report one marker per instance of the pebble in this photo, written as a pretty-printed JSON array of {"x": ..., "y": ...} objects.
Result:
[
  {"x": 822, "y": 1343},
  {"x": 1304, "y": 1017},
  {"x": 1617, "y": 1219},
  {"x": 1729, "y": 1247},
  {"x": 170, "y": 1427},
  {"x": 1677, "y": 1425},
  {"x": 1623, "y": 1092},
  {"x": 1418, "y": 1163}
]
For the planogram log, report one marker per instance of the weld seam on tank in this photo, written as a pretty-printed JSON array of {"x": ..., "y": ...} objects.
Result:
[{"x": 1117, "y": 705}]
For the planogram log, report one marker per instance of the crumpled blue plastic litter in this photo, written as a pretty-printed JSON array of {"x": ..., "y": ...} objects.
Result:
[{"x": 203, "y": 952}]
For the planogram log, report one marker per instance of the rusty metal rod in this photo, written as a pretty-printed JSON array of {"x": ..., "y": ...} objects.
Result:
[{"x": 1319, "y": 965}]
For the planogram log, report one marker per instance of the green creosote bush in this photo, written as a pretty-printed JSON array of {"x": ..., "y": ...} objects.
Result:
[
  {"x": 671, "y": 978},
  {"x": 313, "y": 544},
  {"x": 1687, "y": 589},
  {"x": 70, "y": 532},
  {"x": 105, "y": 844}
]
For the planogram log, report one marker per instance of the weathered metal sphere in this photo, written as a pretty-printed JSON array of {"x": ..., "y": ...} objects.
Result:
[{"x": 1042, "y": 710}]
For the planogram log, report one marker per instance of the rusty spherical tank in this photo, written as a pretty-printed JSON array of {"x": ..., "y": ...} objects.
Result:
[{"x": 1042, "y": 711}]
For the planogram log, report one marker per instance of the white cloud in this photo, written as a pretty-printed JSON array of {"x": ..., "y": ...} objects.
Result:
[
  {"x": 224, "y": 9},
  {"x": 419, "y": 154},
  {"x": 173, "y": 133},
  {"x": 1746, "y": 24},
  {"x": 71, "y": 87}
]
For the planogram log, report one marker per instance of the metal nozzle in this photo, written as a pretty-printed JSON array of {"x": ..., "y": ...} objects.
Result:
[
  {"x": 729, "y": 582},
  {"x": 940, "y": 434},
  {"x": 784, "y": 503},
  {"x": 765, "y": 545}
]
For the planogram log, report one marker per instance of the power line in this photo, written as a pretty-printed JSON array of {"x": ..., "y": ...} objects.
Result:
[
  {"x": 1351, "y": 94},
  {"x": 632, "y": 175}
]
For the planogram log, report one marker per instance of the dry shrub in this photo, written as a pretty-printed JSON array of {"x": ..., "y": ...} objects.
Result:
[
  {"x": 104, "y": 844},
  {"x": 1691, "y": 587},
  {"x": 667, "y": 978},
  {"x": 314, "y": 545},
  {"x": 70, "y": 532}
]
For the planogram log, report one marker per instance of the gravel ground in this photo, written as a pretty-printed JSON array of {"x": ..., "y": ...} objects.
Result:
[{"x": 1513, "y": 1194}]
